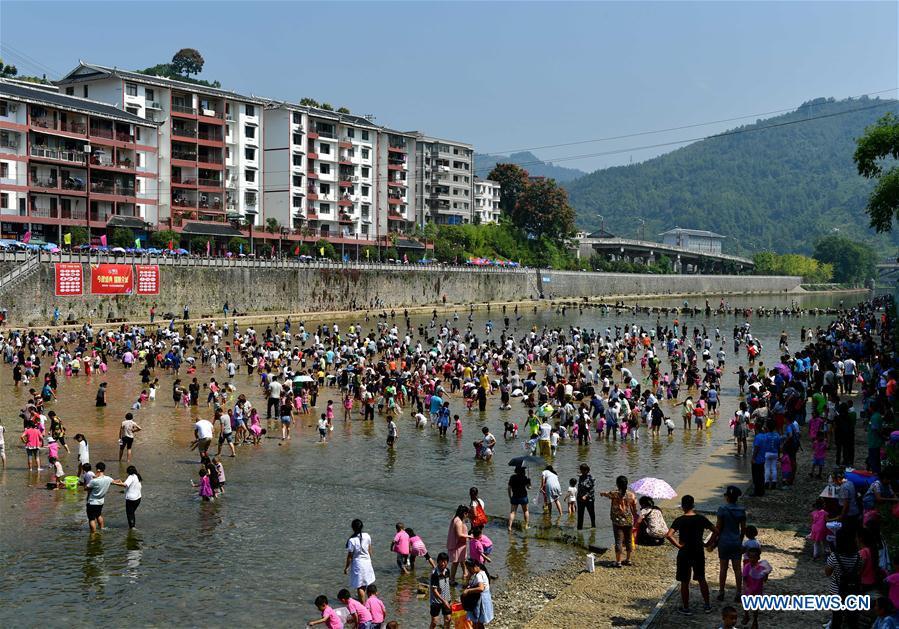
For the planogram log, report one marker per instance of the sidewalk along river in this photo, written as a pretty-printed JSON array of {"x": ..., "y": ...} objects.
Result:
[{"x": 275, "y": 541}]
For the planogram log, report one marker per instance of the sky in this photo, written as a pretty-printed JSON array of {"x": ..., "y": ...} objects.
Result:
[{"x": 503, "y": 76}]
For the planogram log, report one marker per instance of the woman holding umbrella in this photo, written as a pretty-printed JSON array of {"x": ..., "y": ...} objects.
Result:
[{"x": 623, "y": 513}]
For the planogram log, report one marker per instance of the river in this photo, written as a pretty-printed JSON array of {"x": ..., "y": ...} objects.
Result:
[{"x": 261, "y": 554}]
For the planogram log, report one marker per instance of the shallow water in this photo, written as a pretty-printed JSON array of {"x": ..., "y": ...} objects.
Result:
[{"x": 275, "y": 541}]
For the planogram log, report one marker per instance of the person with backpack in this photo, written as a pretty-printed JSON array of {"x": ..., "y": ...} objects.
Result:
[
  {"x": 478, "y": 515},
  {"x": 844, "y": 567}
]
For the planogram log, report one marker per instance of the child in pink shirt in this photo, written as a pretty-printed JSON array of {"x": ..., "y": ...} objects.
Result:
[
  {"x": 755, "y": 573},
  {"x": 400, "y": 546},
  {"x": 819, "y": 528},
  {"x": 479, "y": 546},
  {"x": 358, "y": 612},
  {"x": 457, "y": 430},
  {"x": 329, "y": 618},
  {"x": 52, "y": 448},
  {"x": 375, "y": 607},
  {"x": 819, "y": 453}
]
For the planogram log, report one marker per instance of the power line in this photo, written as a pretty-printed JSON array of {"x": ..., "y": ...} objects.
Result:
[
  {"x": 29, "y": 61},
  {"x": 669, "y": 129},
  {"x": 734, "y": 132}
]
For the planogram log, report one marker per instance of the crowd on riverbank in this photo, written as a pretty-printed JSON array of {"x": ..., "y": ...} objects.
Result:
[{"x": 569, "y": 384}]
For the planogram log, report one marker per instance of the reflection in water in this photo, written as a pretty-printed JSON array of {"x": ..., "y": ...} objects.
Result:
[
  {"x": 133, "y": 555},
  {"x": 93, "y": 568}
]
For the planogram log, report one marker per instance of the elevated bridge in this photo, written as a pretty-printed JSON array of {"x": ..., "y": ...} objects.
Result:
[{"x": 646, "y": 251}]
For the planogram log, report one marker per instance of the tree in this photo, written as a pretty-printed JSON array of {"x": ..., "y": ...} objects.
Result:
[
  {"x": 327, "y": 106},
  {"x": 188, "y": 61},
  {"x": 239, "y": 245},
  {"x": 543, "y": 211},
  {"x": 198, "y": 244},
  {"x": 880, "y": 141},
  {"x": 513, "y": 181},
  {"x": 120, "y": 237},
  {"x": 343, "y": 110},
  {"x": 810, "y": 269},
  {"x": 272, "y": 225},
  {"x": 329, "y": 250},
  {"x": 853, "y": 262},
  {"x": 161, "y": 239},
  {"x": 309, "y": 102},
  {"x": 79, "y": 236},
  {"x": 6, "y": 70}
]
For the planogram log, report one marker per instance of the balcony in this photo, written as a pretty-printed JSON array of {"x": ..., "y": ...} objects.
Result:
[
  {"x": 311, "y": 155},
  {"x": 345, "y": 183},
  {"x": 103, "y": 187},
  {"x": 394, "y": 164},
  {"x": 211, "y": 137},
  {"x": 9, "y": 143},
  {"x": 345, "y": 219},
  {"x": 209, "y": 183},
  {"x": 392, "y": 200},
  {"x": 184, "y": 202},
  {"x": 47, "y": 183},
  {"x": 324, "y": 134},
  {"x": 312, "y": 135},
  {"x": 109, "y": 134},
  {"x": 394, "y": 148},
  {"x": 43, "y": 152},
  {"x": 312, "y": 193},
  {"x": 186, "y": 156},
  {"x": 345, "y": 143},
  {"x": 185, "y": 133},
  {"x": 345, "y": 160},
  {"x": 345, "y": 201},
  {"x": 152, "y": 104},
  {"x": 184, "y": 182},
  {"x": 394, "y": 215},
  {"x": 73, "y": 127},
  {"x": 312, "y": 175},
  {"x": 183, "y": 109},
  {"x": 396, "y": 183}
]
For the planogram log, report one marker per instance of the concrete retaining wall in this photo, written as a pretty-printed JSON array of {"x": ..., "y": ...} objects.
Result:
[{"x": 300, "y": 289}]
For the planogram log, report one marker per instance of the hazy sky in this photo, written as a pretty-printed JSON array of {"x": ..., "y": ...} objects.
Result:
[{"x": 502, "y": 75}]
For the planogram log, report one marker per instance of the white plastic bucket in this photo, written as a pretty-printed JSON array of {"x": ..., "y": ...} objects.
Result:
[{"x": 591, "y": 562}]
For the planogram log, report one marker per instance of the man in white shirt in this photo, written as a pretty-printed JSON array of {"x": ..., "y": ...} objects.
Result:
[
  {"x": 126, "y": 435},
  {"x": 274, "y": 396},
  {"x": 203, "y": 433}
]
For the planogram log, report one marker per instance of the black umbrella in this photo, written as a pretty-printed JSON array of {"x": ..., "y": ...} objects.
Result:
[{"x": 522, "y": 461}]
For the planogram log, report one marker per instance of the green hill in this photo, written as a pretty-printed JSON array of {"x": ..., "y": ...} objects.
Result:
[
  {"x": 772, "y": 187},
  {"x": 536, "y": 167}
]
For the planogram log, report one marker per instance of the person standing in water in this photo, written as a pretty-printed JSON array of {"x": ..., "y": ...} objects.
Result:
[{"x": 132, "y": 485}]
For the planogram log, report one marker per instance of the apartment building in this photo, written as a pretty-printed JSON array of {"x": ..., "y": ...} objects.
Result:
[
  {"x": 210, "y": 145},
  {"x": 444, "y": 181},
  {"x": 486, "y": 200},
  {"x": 67, "y": 161},
  {"x": 396, "y": 181}
]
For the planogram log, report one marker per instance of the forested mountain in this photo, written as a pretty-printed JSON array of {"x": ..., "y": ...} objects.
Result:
[
  {"x": 771, "y": 185},
  {"x": 483, "y": 164}
]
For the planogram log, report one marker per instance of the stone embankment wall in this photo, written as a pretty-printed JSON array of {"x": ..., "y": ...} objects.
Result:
[{"x": 307, "y": 289}]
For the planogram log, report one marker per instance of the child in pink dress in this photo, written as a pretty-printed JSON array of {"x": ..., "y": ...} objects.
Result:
[
  {"x": 819, "y": 528},
  {"x": 819, "y": 453},
  {"x": 204, "y": 486},
  {"x": 255, "y": 427}
]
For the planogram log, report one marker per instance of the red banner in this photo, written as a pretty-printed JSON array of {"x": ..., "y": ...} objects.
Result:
[
  {"x": 147, "y": 279},
  {"x": 111, "y": 279},
  {"x": 69, "y": 279}
]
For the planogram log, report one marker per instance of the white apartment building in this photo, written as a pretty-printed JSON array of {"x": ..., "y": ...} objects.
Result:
[
  {"x": 396, "y": 181},
  {"x": 486, "y": 200},
  {"x": 72, "y": 162},
  {"x": 444, "y": 181},
  {"x": 210, "y": 144}
]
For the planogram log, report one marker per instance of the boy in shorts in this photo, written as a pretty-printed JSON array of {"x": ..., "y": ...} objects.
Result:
[{"x": 440, "y": 592}]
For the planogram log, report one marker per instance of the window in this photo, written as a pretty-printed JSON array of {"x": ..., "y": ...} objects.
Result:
[
  {"x": 4, "y": 199},
  {"x": 138, "y": 159},
  {"x": 4, "y": 170},
  {"x": 297, "y": 118},
  {"x": 250, "y": 110},
  {"x": 365, "y": 136},
  {"x": 324, "y": 149},
  {"x": 350, "y": 133},
  {"x": 365, "y": 230},
  {"x": 84, "y": 90},
  {"x": 249, "y": 175},
  {"x": 324, "y": 188},
  {"x": 297, "y": 160},
  {"x": 227, "y": 152},
  {"x": 250, "y": 131},
  {"x": 149, "y": 94},
  {"x": 137, "y": 181},
  {"x": 133, "y": 110},
  {"x": 364, "y": 153},
  {"x": 365, "y": 171},
  {"x": 4, "y": 108},
  {"x": 298, "y": 203},
  {"x": 131, "y": 89},
  {"x": 325, "y": 169},
  {"x": 365, "y": 210},
  {"x": 297, "y": 181},
  {"x": 137, "y": 134},
  {"x": 324, "y": 208},
  {"x": 250, "y": 153},
  {"x": 70, "y": 91},
  {"x": 366, "y": 191},
  {"x": 298, "y": 138}
]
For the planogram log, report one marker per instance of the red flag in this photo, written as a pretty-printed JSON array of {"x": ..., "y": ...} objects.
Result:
[
  {"x": 103, "y": 240},
  {"x": 171, "y": 245},
  {"x": 296, "y": 250},
  {"x": 26, "y": 237}
]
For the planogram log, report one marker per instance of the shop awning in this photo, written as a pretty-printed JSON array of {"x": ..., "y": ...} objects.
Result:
[
  {"x": 132, "y": 222},
  {"x": 210, "y": 229}
]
